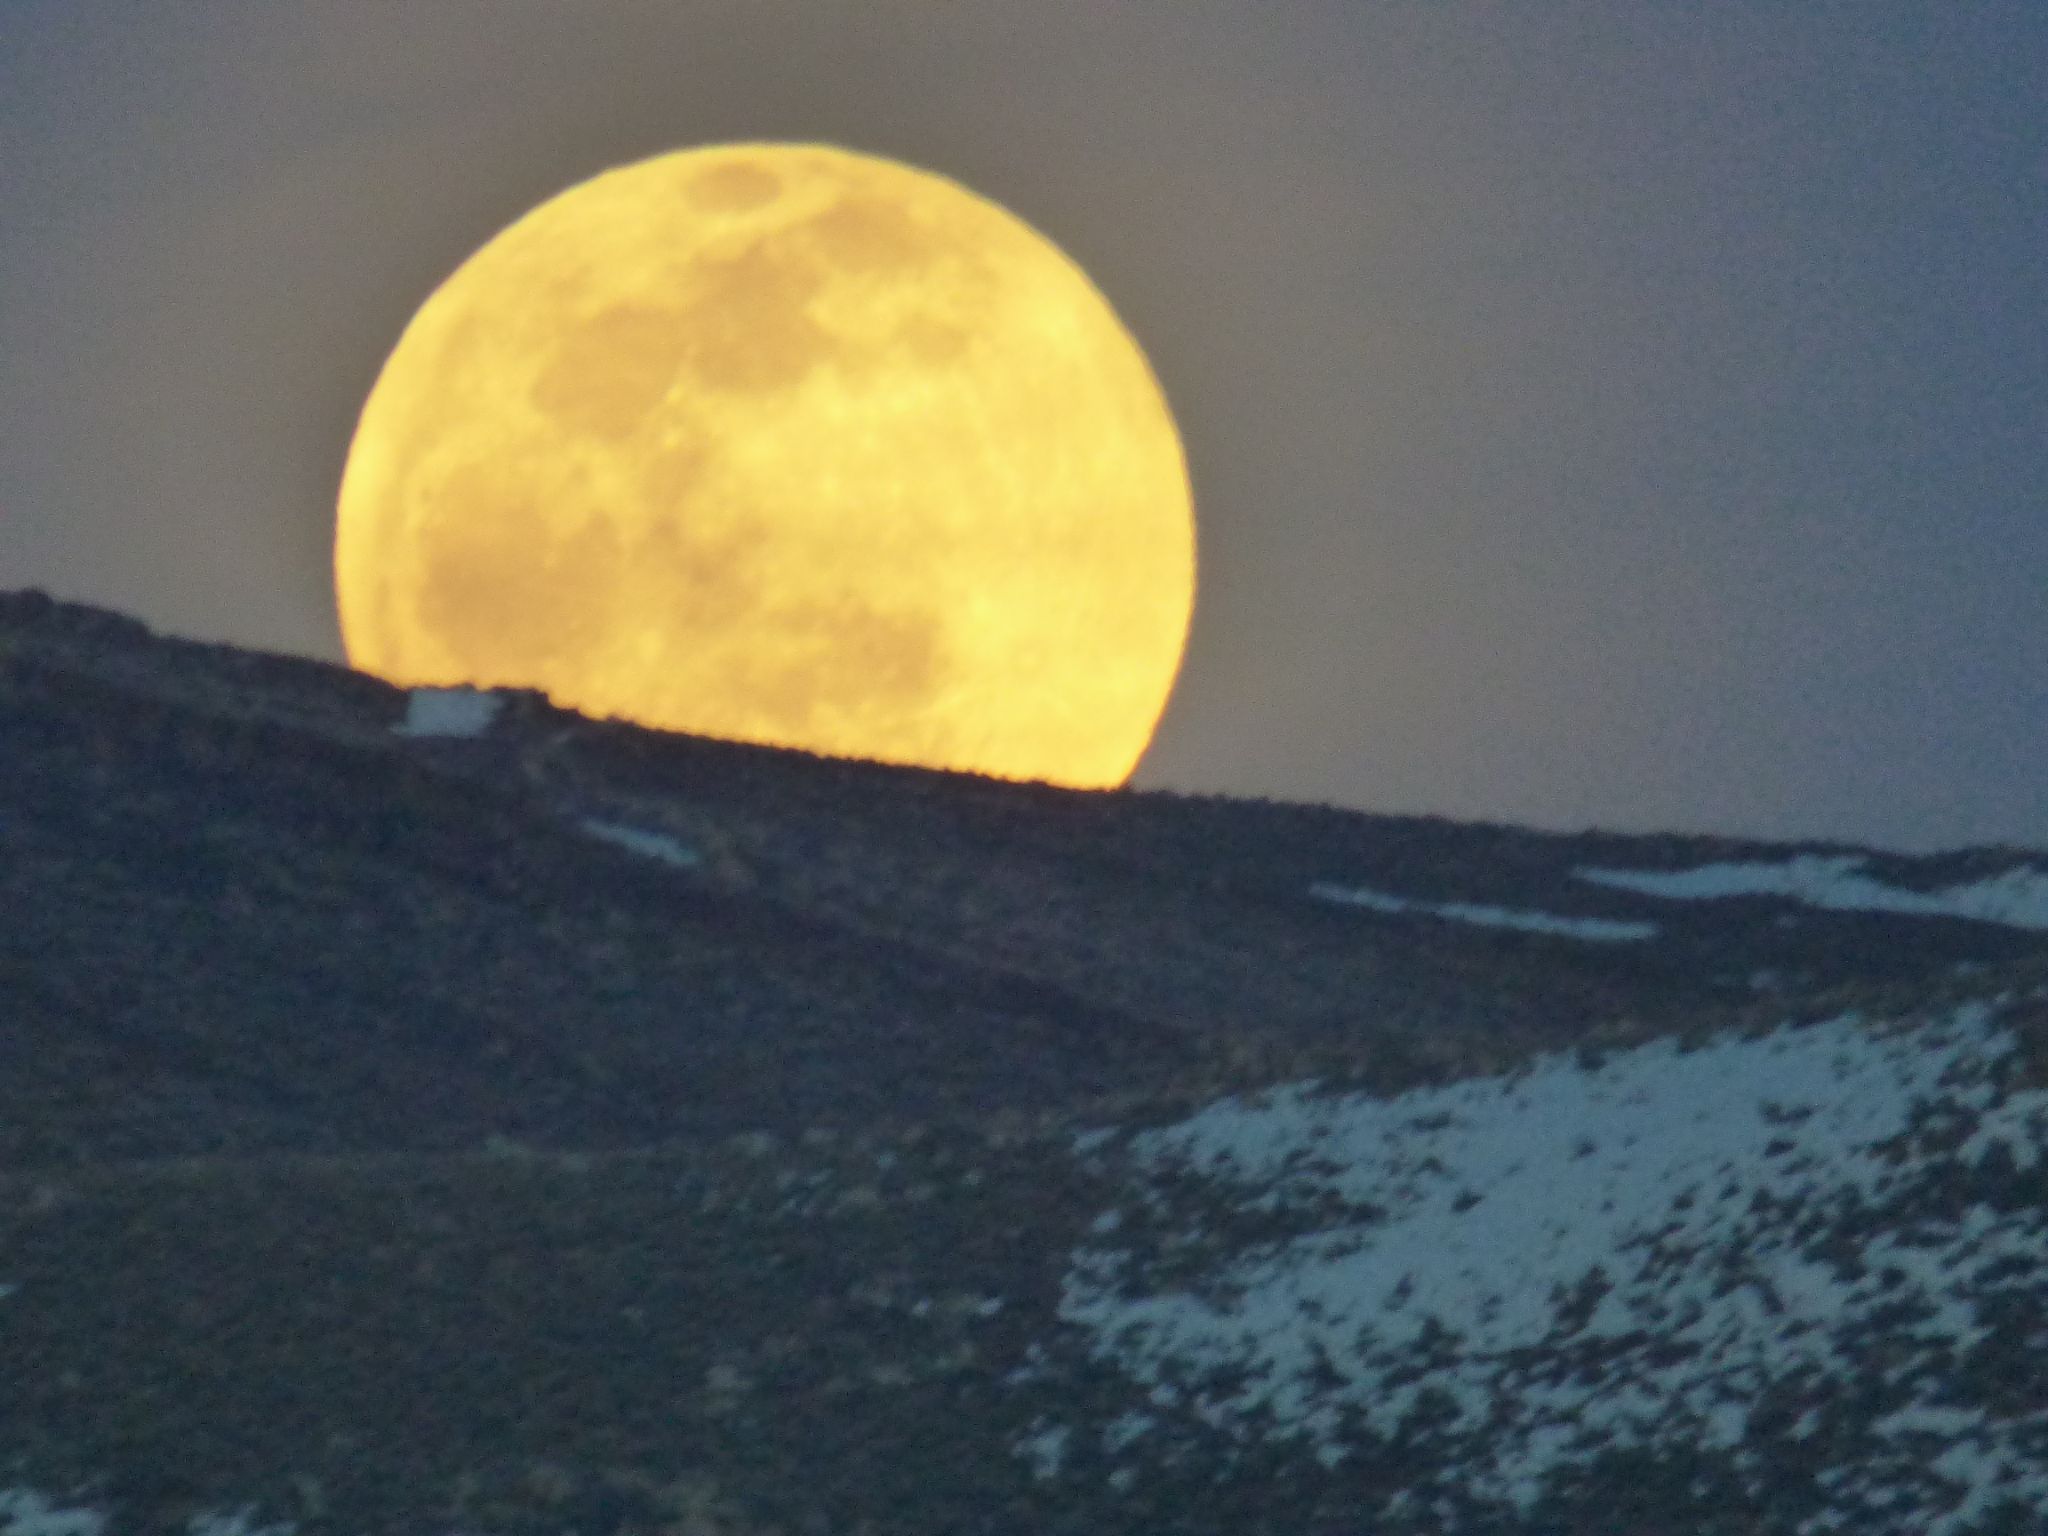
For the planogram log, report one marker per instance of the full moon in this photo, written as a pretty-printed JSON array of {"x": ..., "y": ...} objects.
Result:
[{"x": 783, "y": 444}]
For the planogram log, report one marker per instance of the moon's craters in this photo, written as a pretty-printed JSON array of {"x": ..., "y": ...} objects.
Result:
[
  {"x": 734, "y": 186},
  {"x": 714, "y": 611},
  {"x": 922, "y": 283},
  {"x": 506, "y": 599},
  {"x": 931, "y": 342},
  {"x": 750, "y": 322},
  {"x": 748, "y": 327},
  {"x": 673, "y": 476},
  {"x": 861, "y": 235},
  {"x": 811, "y": 661},
  {"x": 691, "y": 584},
  {"x": 612, "y": 369}
]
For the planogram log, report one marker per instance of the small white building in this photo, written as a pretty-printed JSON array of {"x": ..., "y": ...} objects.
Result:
[{"x": 449, "y": 712}]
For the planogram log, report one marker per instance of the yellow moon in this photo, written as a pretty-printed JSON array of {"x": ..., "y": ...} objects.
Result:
[{"x": 784, "y": 444}]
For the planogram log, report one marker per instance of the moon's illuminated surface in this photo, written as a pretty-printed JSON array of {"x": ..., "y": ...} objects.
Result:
[{"x": 785, "y": 444}]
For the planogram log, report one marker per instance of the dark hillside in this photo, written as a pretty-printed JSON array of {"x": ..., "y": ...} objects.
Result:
[
  {"x": 555, "y": 1126},
  {"x": 250, "y": 914}
]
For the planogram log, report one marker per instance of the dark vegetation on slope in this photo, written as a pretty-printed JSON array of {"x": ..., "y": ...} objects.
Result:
[
  {"x": 842, "y": 1331},
  {"x": 245, "y": 914},
  {"x": 378, "y": 1146}
]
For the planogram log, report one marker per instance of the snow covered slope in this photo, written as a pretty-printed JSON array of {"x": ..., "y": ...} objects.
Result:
[
  {"x": 1787, "y": 1281},
  {"x": 1809, "y": 1264}
]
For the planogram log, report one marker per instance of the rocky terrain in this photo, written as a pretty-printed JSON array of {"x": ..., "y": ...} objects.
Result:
[{"x": 441, "y": 1113}]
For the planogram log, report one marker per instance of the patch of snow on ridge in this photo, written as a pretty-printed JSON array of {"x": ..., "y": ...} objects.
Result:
[
  {"x": 449, "y": 712},
  {"x": 2017, "y": 897},
  {"x": 1520, "y": 1274},
  {"x": 1597, "y": 929},
  {"x": 649, "y": 845},
  {"x": 23, "y": 1513}
]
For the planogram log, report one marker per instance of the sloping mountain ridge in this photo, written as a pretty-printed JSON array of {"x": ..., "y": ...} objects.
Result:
[
  {"x": 252, "y": 841},
  {"x": 569, "y": 1127}
]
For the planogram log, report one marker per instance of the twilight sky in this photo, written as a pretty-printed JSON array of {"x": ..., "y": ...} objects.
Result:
[{"x": 1620, "y": 414}]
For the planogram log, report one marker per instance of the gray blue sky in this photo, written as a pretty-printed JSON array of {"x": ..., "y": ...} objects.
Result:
[{"x": 1619, "y": 414}]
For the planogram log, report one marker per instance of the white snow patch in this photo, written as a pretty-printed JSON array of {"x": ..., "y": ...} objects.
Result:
[
  {"x": 26, "y": 1513},
  {"x": 1574, "y": 1260},
  {"x": 1045, "y": 1450},
  {"x": 1597, "y": 929},
  {"x": 2017, "y": 897},
  {"x": 649, "y": 845},
  {"x": 23, "y": 1513},
  {"x": 449, "y": 712}
]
